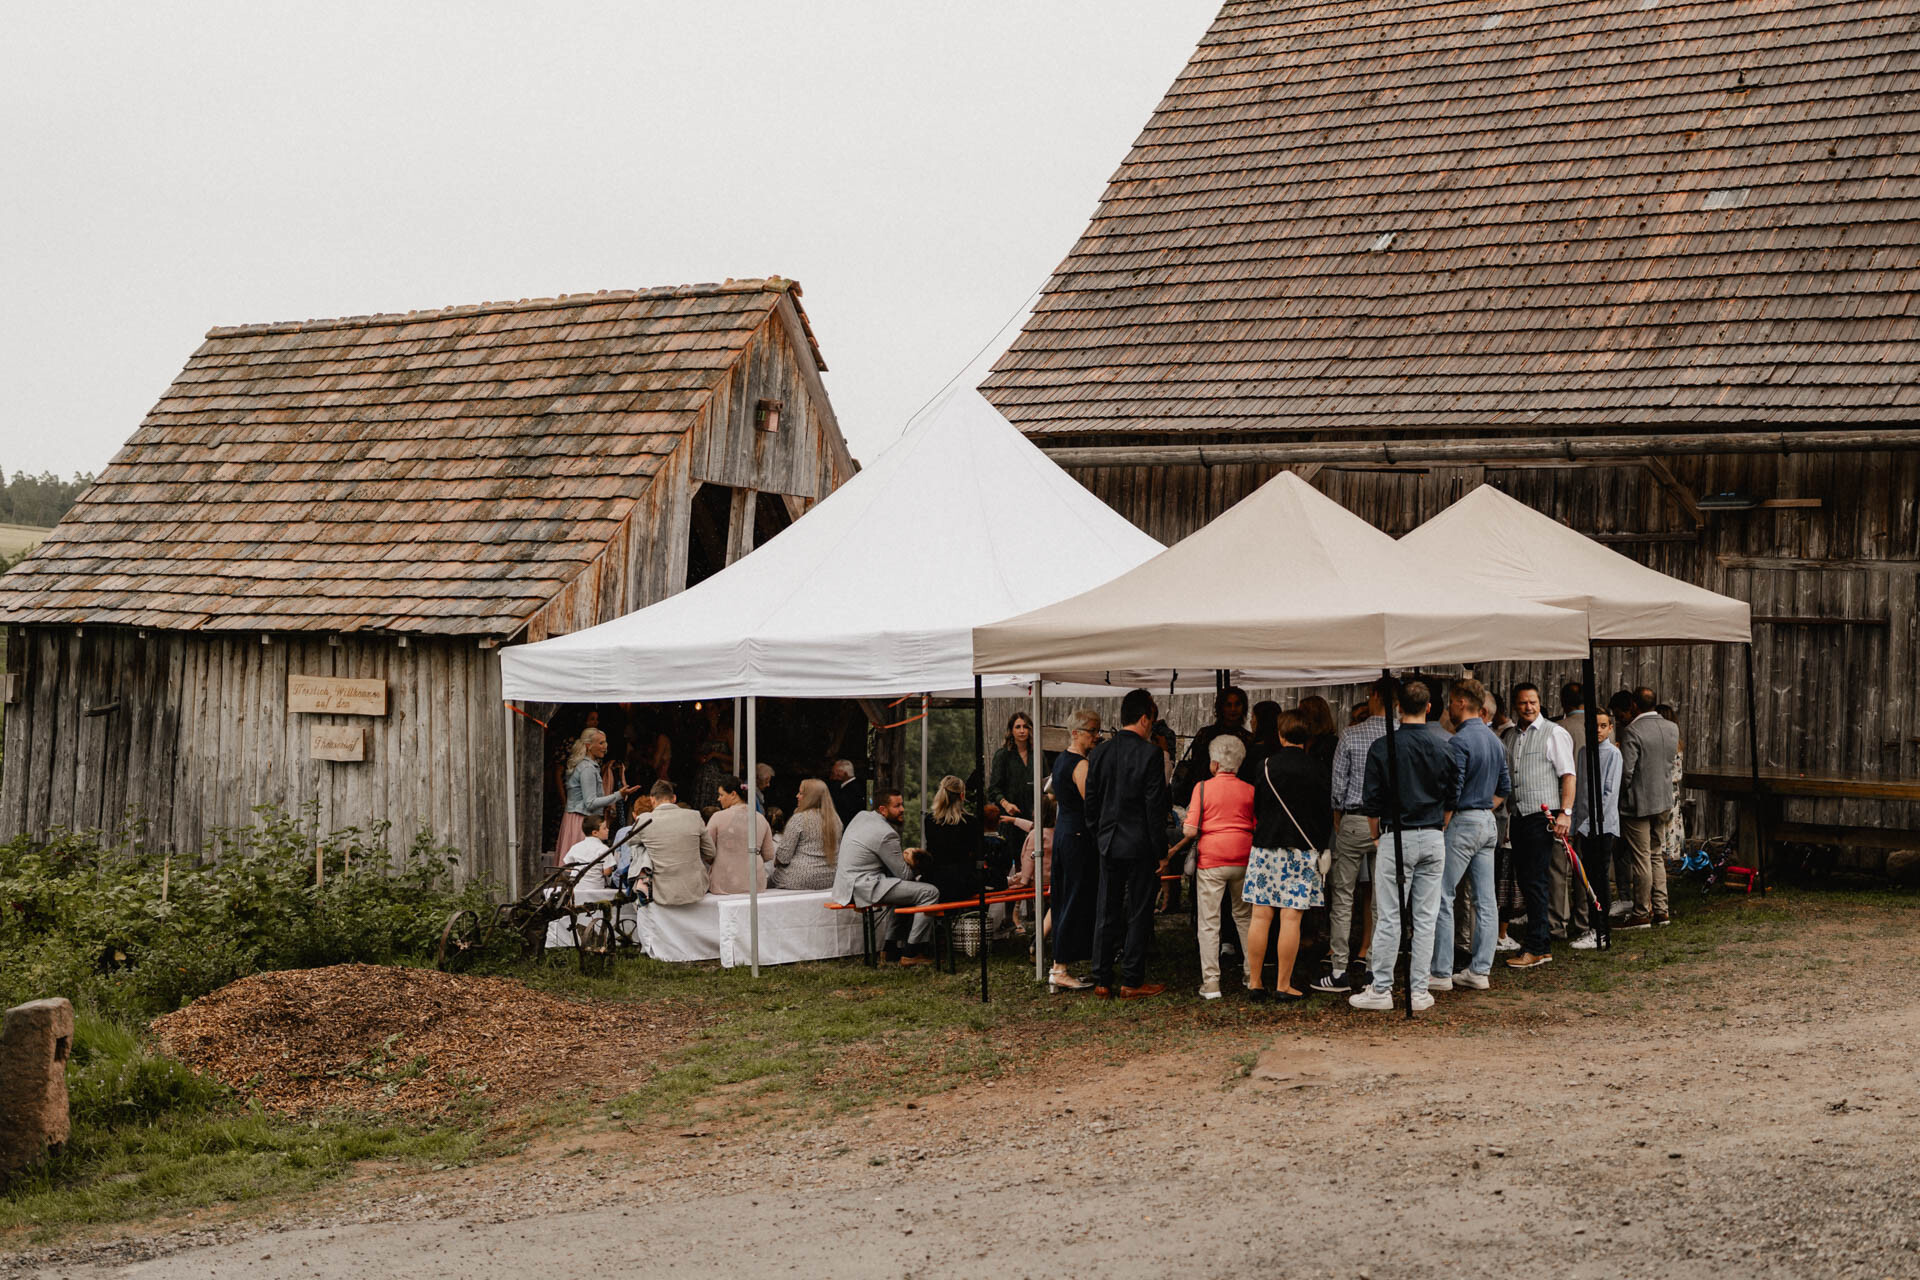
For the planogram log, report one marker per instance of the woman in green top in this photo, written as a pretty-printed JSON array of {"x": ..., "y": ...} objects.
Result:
[{"x": 1010, "y": 784}]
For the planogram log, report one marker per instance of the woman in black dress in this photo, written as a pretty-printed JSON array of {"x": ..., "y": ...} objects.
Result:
[
  {"x": 1076, "y": 867},
  {"x": 953, "y": 845},
  {"x": 1010, "y": 783}
]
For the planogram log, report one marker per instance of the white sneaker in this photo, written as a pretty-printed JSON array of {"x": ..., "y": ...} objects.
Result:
[
  {"x": 1586, "y": 942},
  {"x": 1210, "y": 990},
  {"x": 1438, "y": 983},
  {"x": 1619, "y": 908},
  {"x": 1379, "y": 1001},
  {"x": 1422, "y": 1002},
  {"x": 1506, "y": 944},
  {"x": 1471, "y": 981}
]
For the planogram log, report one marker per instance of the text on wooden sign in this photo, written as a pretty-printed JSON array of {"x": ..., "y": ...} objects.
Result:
[
  {"x": 337, "y": 695},
  {"x": 337, "y": 742}
]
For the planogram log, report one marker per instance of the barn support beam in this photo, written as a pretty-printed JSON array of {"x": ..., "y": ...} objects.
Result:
[{"x": 1389, "y": 452}]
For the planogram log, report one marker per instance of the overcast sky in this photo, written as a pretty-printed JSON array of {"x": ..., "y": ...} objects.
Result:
[{"x": 920, "y": 168}]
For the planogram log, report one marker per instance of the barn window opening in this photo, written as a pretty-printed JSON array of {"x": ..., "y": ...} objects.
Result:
[
  {"x": 769, "y": 518},
  {"x": 707, "y": 532}
]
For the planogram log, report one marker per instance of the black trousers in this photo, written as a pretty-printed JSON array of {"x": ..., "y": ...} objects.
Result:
[
  {"x": 1533, "y": 845},
  {"x": 1123, "y": 919}
]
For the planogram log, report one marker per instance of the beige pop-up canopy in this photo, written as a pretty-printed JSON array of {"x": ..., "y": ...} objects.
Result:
[
  {"x": 1518, "y": 551},
  {"x": 1287, "y": 583}
]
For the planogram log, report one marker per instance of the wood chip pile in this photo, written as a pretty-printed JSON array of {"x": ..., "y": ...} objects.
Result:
[{"x": 409, "y": 1041}]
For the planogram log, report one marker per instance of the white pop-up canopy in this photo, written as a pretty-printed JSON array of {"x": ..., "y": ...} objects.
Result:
[
  {"x": 874, "y": 592},
  {"x": 1517, "y": 551},
  {"x": 1288, "y": 581}
]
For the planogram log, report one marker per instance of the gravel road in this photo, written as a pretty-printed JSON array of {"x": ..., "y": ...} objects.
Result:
[{"x": 1760, "y": 1118}]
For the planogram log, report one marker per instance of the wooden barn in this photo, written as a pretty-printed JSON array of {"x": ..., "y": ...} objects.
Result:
[
  {"x": 291, "y": 586},
  {"x": 1648, "y": 267}
]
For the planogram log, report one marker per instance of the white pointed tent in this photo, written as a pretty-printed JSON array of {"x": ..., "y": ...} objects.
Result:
[
  {"x": 875, "y": 592},
  {"x": 1518, "y": 551},
  {"x": 1509, "y": 547}
]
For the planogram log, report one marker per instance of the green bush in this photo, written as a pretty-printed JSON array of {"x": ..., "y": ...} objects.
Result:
[{"x": 86, "y": 918}]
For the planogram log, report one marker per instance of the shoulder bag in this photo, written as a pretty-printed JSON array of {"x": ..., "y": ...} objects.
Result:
[{"x": 1322, "y": 858}]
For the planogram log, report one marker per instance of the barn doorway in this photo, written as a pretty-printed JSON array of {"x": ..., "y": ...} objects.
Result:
[
  {"x": 707, "y": 532},
  {"x": 769, "y": 517}
]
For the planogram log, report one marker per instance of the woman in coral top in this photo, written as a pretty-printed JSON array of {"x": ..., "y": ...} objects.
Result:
[{"x": 1220, "y": 821}]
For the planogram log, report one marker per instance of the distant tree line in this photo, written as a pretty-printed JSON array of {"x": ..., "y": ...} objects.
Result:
[{"x": 38, "y": 500}]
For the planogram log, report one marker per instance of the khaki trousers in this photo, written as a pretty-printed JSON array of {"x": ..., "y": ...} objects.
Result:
[
  {"x": 1352, "y": 850},
  {"x": 1212, "y": 883},
  {"x": 1649, "y": 868},
  {"x": 1568, "y": 892}
]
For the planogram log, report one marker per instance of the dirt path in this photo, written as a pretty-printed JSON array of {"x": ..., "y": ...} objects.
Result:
[{"x": 1756, "y": 1116}]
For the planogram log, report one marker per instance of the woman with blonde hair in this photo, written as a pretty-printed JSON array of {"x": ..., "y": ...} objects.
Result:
[
  {"x": 810, "y": 845},
  {"x": 583, "y": 788},
  {"x": 952, "y": 841}
]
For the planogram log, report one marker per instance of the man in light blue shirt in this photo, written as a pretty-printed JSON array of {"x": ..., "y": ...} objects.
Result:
[
  {"x": 1596, "y": 847},
  {"x": 1479, "y": 785}
]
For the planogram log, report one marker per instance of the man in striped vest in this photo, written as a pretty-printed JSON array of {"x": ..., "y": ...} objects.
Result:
[{"x": 1540, "y": 758}]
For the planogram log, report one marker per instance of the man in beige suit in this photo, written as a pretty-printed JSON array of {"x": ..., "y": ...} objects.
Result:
[{"x": 674, "y": 842}]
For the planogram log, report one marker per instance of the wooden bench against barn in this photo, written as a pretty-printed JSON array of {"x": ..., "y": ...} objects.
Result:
[{"x": 1764, "y": 825}]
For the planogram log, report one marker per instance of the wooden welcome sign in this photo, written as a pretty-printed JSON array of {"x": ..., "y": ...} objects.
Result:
[
  {"x": 336, "y": 695},
  {"x": 337, "y": 742}
]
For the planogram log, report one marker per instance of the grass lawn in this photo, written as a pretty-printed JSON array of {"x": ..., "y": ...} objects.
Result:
[{"x": 805, "y": 1042}]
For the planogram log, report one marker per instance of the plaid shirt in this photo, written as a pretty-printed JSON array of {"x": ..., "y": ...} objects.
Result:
[{"x": 1350, "y": 762}]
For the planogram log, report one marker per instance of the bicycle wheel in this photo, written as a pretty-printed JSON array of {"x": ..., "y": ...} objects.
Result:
[{"x": 460, "y": 942}]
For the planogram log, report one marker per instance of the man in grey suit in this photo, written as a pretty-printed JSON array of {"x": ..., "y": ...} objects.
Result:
[
  {"x": 872, "y": 870},
  {"x": 674, "y": 842},
  {"x": 1648, "y": 747}
]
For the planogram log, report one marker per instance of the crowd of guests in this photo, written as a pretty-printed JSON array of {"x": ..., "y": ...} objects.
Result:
[
  {"x": 1474, "y": 833},
  {"x": 1489, "y": 833}
]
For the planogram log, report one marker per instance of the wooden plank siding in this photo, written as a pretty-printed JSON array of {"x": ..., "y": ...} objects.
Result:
[
  {"x": 185, "y": 754},
  {"x": 1833, "y": 697}
]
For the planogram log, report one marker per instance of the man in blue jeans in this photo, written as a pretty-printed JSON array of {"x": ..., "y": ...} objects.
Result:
[
  {"x": 1478, "y": 783},
  {"x": 1424, "y": 773}
]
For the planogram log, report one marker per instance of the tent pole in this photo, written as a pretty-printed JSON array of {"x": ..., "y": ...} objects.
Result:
[
  {"x": 1753, "y": 765},
  {"x": 926, "y": 713},
  {"x": 1039, "y": 842},
  {"x": 736, "y": 740},
  {"x": 753, "y": 873},
  {"x": 980, "y": 854},
  {"x": 513, "y": 807},
  {"x": 1399, "y": 847},
  {"x": 1596, "y": 810}
]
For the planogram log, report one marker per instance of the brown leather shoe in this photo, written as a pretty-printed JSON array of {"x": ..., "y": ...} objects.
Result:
[
  {"x": 907, "y": 962},
  {"x": 1105, "y": 993},
  {"x": 1141, "y": 993},
  {"x": 1527, "y": 960}
]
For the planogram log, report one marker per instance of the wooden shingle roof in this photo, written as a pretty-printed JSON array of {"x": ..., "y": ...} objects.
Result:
[
  {"x": 440, "y": 471},
  {"x": 1381, "y": 215}
]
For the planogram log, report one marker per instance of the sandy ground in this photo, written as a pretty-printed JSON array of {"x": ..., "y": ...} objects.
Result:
[{"x": 1749, "y": 1117}]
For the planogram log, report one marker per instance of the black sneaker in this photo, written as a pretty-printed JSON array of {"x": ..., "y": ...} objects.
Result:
[{"x": 1333, "y": 985}]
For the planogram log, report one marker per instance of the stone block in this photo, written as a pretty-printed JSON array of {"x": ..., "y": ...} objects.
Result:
[{"x": 35, "y": 1039}]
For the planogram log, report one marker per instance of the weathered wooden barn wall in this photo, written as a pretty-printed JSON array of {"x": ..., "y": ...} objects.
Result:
[
  {"x": 172, "y": 735},
  {"x": 1832, "y": 587}
]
